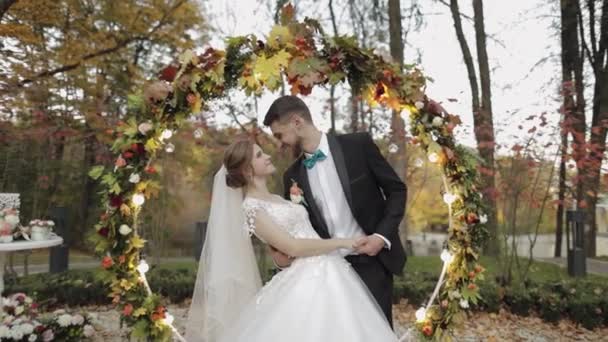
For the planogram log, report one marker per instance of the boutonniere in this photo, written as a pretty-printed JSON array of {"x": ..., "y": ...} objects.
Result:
[{"x": 296, "y": 195}]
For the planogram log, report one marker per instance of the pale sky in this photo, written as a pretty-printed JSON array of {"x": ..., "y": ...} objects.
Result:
[{"x": 522, "y": 26}]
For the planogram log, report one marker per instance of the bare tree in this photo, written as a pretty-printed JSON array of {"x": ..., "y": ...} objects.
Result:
[{"x": 482, "y": 109}]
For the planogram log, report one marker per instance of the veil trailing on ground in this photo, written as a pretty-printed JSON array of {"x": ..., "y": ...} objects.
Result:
[{"x": 228, "y": 275}]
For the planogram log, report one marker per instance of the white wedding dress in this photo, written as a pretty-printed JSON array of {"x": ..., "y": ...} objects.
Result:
[{"x": 316, "y": 299}]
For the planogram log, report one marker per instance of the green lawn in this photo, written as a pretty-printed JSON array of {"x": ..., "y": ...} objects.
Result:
[{"x": 539, "y": 272}]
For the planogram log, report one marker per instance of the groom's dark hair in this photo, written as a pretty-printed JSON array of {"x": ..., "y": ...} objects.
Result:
[{"x": 286, "y": 106}]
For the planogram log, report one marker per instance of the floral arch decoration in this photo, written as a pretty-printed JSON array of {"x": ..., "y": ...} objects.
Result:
[{"x": 300, "y": 52}]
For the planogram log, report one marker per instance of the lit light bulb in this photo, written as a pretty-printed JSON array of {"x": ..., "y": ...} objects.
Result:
[
  {"x": 138, "y": 199},
  {"x": 446, "y": 256},
  {"x": 166, "y": 134},
  {"x": 419, "y": 162},
  {"x": 421, "y": 314},
  {"x": 449, "y": 198},
  {"x": 198, "y": 133},
  {"x": 168, "y": 319},
  {"x": 143, "y": 267},
  {"x": 433, "y": 157}
]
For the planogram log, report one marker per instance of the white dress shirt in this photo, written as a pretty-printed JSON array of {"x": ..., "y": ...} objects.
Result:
[{"x": 330, "y": 198}]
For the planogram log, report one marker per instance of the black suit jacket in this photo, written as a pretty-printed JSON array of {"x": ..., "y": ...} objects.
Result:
[{"x": 374, "y": 192}]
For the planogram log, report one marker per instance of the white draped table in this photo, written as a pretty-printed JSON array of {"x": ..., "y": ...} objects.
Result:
[{"x": 21, "y": 245}]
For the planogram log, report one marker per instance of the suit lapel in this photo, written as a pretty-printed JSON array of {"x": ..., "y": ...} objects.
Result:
[
  {"x": 310, "y": 200},
  {"x": 338, "y": 156}
]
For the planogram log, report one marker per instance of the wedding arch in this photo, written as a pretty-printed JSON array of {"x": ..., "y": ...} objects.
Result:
[{"x": 300, "y": 53}]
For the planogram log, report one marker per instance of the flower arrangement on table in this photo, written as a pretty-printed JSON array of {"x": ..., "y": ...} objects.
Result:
[
  {"x": 9, "y": 220},
  {"x": 21, "y": 321}
]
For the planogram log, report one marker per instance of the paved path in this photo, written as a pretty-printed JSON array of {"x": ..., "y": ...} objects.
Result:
[{"x": 593, "y": 265}]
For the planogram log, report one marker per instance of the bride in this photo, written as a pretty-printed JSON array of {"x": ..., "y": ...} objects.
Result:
[{"x": 318, "y": 298}]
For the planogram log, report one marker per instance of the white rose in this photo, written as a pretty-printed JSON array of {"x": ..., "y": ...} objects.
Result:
[
  {"x": 134, "y": 178},
  {"x": 419, "y": 105},
  {"x": 33, "y": 338},
  {"x": 16, "y": 333},
  {"x": 88, "y": 330},
  {"x": 77, "y": 320},
  {"x": 124, "y": 229},
  {"x": 464, "y": 303},
  {"x": 8, "y": 319},
  {"x": 483, "y": 219},
  {"x": 4, "y": 331},
  {"x": 145, "y": 127},
  {"x": 29, "y": 300},
  {"x": 51, "y": 223},
  {"x": 27, "y": 328},
  {"x": 64, "y": 320},
  {"x": 297, "y": 199},
  {"x": 437, "y": 121},
  {"x": 13, "y": 220}
]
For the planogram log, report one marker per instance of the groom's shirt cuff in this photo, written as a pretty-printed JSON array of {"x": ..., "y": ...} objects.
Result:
[{"x": 387, "y": 244}]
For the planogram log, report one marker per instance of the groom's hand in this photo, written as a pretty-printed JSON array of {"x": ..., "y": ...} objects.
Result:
[
  {"x": 370, "y": 245},
  {"x": 281, "y": 260}
]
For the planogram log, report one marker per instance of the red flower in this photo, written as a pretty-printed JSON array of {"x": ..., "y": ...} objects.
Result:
[
  {"x": 472, "y": 218},
  {"x": 472, "y": 274},
  {"x": 34, "y": 306},
  {"x": 168, "y": 74},
  {"x": 478, "y": 268},
  {"x": 427, "y": 330},
  {"x": 472, "y": 286},
  {"x": 191, "y": 98},
  {"x": 128, "y": 309},
  {"x": 104, "y": 232},
  {"x": 159, "y": 313},
  {"x": 138, "y": 148},
  {"x": 40, "y": 329},
  {"x": 150, "y": 169},
  {"x": 115, "y": 201},
  {"x": 122, "y": 259},
  {"x": 128, "y": 155},
  {"x": 107, "y": 262}
]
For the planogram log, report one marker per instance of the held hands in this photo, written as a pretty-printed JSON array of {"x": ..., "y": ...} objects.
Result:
[
  {"x": 370, "y": 245},
  {"x": 281, "y": 260}
]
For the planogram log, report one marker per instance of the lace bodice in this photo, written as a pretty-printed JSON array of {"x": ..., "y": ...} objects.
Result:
[{"x": 292, "y": 218}]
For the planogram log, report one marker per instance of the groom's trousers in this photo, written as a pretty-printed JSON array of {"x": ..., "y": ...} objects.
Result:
[{"x": 378, "y": 279}]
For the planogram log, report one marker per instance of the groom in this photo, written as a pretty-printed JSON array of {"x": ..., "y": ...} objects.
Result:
[{"x": 350, "y": 191}]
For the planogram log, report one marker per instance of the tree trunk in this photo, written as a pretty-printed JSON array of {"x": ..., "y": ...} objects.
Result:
[
  {"x": 397, "y": 160},
  {"x": 591, "y": 171},
  {"x": 482, "y": 112},
  {"x": 5, "y": 5}
]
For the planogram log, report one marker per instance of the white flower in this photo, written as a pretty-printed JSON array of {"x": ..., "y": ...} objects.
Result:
[
  {"x": 437, "y": 121},
  {"x": 8, "y": 319},
  {"x": 134, "y": 178},
  {"x": 13, "y": 220},
  {"x": 32, "y": 338},
  {"x": 50, "y": 223},
  {"x": 464, "y": 303},
  {"x": 198, "y": 133},
  {"x": 170, "y": 148},
  {"x": 124, "y": 229},
  {"x": 28, "y": 300},
  {"x": 16, "y": 333},
  {"x": 19, "y": 310},
  {"x": 64, "y": 320},
  {"x": 446, "y": 256},
  {"x": 4, "y": 331},
  {"x": 419, "y": 105},
  {"x": 143, "y": 267},
  {"x": 393, "y": 148},
  {"x": 48, "y": 335},
  {"x": 454, "y": 294},
  {"x": 145, "y": 127},
  {"x": 138, "y": 199},
  {"x": 88, "y": 330},
  {"x": 27, "y": 328},
  {"x": 297, "y": 199},
  {"x": 77, "y": 319},
  {"x": 483, "y": 219}
]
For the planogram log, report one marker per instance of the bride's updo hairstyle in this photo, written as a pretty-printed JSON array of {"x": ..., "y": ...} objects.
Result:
[{"x": 237, "y": 158}]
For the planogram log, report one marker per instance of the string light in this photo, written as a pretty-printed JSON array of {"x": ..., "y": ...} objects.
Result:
[
  {"x": 393, "y": 148},
  {"x": 449, "y": 198},
  {"x": 421, "y": 314},
  {"x": 447, "y": 257},
  {"x": 138, "y": 199},
  {"x": 170, "y": 148},
  {"x": 143, "y": 267},
  {"x": 166, "y": 134},
  {"x": 198, "y": 133},
  {"x": 433, "y": 157}
]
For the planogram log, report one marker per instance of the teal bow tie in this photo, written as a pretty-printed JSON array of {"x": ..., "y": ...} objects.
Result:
[{"x": 312, "y": 160}]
